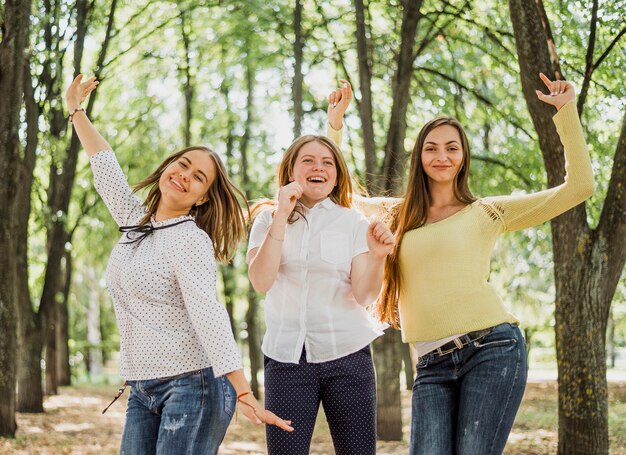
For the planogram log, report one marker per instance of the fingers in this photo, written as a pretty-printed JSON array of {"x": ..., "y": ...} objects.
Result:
[
  {"x": 381, "y": 233},
  {"x": 555, "y": 87},
  {"x": 344, "y": 93},
  {"x": 272, "y": 419}
]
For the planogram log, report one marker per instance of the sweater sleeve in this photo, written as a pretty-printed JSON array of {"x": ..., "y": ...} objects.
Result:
[
  {"x": 523, "y": 211},
  {"x": 335, "y": 135},
  {"x": 196, "y": 273},
  {"x": 112, "y": 186}
]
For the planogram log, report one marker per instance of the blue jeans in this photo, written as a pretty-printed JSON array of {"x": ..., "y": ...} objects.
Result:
[
  {"x": 465, "y": 402},
  {"x": 183, "y": 414}
]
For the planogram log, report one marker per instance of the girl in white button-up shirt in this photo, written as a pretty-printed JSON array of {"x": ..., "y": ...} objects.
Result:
[
  {"x": 178, "y": 352},
  {"x": 320, "y": 263}
]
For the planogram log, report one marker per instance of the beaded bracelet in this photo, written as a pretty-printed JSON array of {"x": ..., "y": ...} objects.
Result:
[{"x": 78, "y": 109}]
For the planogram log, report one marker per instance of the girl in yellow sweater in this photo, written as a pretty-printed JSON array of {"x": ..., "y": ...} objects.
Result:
[{"x": 471, "y": 372}]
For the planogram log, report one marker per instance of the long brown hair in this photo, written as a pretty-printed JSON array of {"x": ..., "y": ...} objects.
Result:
[
  {"x": 220, "y": 216},
  {"x": 413, "y": 213},
  {"x": 341, "y": 193}
]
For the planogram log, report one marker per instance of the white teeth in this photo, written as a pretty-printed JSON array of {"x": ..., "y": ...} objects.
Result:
[
  {"x": 178, "y": 185},
  {"x": 316, "y": 179}
]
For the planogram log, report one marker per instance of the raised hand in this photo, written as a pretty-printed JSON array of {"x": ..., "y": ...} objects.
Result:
[
  {"x": 380, "y": 239},
  {"x": 288, "y": 195},
  {"x": 561, "y": 92},
  {"x": 78, "y": 91},
  {"x": 338, "y": 102}
]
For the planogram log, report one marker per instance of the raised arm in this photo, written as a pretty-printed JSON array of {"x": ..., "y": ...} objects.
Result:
[
  {"x": 89, "y": 137},
  {"x": 523, "y": 211}
]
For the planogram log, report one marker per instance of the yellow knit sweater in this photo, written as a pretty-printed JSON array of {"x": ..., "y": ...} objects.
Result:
[{"x": 445, "y": 266}]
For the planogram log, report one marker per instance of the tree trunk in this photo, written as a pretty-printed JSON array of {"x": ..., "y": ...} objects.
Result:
[
  {"x": 395, "y": 155},
  {"x": 230, "y": 291},
  {"x": 63, "y": 350},
  {"x": 30, "y": 386},
  {"x": 588, "y": 263},
  {"x": 94, "y": 336},
  {"x": 365, "y": 103},
  {"x": 388, "y": 362},
  {"x": 30, "y": 391},
  {"x": 15, "y": 31},
  {"x": 298, "y": 45},
  {"x": 254, "y": 345},
  {"x": 409, "y": 365},
  {"x": 251, "y": 313},
  {"x": 188, "y": 88}
]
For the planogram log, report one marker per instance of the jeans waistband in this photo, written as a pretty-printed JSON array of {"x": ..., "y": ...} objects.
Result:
[{"x": 462, "y": 341}]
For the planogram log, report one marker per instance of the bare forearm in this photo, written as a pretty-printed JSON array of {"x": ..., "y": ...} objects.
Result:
[
  {"x": 89, "y": 137},
  {"x": 368, "y": 282},
  {"x": 239, "y": 381},
  {"x": 264, "y": 266}
]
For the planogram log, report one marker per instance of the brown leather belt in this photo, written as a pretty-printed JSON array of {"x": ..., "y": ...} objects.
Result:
[{"x": 461, "y": 341}]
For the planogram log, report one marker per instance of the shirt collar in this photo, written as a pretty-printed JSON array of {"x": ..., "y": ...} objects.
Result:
[{"x": 326, "y": 203}]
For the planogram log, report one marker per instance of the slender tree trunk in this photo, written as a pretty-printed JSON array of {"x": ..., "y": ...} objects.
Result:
[
  {"x": 63, "y": 350},
  {"x": 365, "y": 104},
  {"x": 251, "y": 314},
  {"x": 588, "y": 263},
  {"x": 15, "y": 30},
  {"x": 230, "y": 291},
  {"x": 298, "y": 46},
  {"x": 395, "y": 155},
  {"x": 94, "y": 336},
  {"x": 188, "y": 88},
  {"x": 409, "y": 365},
  {"x": 388, "y": 362}
]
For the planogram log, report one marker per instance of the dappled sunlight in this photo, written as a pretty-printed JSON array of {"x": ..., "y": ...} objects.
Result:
[{"x": 77, "y": 426}]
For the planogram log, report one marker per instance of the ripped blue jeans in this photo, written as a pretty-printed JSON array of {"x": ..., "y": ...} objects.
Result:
[
  {"x": 183, "y": 414},
  {"x": 465, "y": 401}
]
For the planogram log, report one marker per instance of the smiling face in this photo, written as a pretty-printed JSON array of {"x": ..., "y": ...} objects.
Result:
[
  {"x": 442, "y": 155},
  {"x": 315, "y": 170},
  {"x": 186, "y": 180}
]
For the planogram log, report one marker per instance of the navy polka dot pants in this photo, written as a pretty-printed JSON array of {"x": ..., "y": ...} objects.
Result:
[{"x": 346, "y": 387}]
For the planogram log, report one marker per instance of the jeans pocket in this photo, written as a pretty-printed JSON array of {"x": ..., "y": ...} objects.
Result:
[
  {"x": 487, "y": 344},
  {"x": 229, "y": 394}
]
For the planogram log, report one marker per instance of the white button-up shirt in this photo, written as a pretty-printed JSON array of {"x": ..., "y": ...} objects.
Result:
[{"x": 310, "y": 303}]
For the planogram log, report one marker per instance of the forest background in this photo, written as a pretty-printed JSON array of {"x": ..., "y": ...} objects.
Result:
[{"x": 245, "y": 78}]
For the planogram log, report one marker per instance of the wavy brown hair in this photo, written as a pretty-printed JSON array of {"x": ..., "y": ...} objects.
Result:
[
  {"x": 341, "y": 193},
  {"x": 220, "y": 216},
  {"x": 413, "y": 213}
]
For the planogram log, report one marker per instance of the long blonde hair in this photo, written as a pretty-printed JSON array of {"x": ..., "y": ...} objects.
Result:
[
  {"x": 341, "y": 193},
  {"x": 220, "y": 216},
  {"x": 413, "y": 213}
]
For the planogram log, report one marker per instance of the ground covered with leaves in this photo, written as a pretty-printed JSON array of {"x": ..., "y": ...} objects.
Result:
[{"x": 73, "y": 424}]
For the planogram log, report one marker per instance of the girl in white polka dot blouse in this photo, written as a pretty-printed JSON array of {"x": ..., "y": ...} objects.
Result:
[
  {"x": 321, "y": 264},
  {"x": 177, "y": 350}
]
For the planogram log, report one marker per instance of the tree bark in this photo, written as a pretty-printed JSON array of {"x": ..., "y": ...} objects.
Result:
[
  {"x": 15, "y": 31},
  {"x": 388, "y": 362},
  {"x": 365, "y": 104},
  {"x": 251, "y": 314},
  {"x": 298, "y": 46},
  {"x": 63, "y": 350},
  {"x": 588, "y": 263},
  {"x": 188, "y": 88},
  {"x": 395, "y": 155}
]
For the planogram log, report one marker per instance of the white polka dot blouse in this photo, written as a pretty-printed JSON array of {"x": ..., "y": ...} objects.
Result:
[{"x": 163, "y": 288}]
